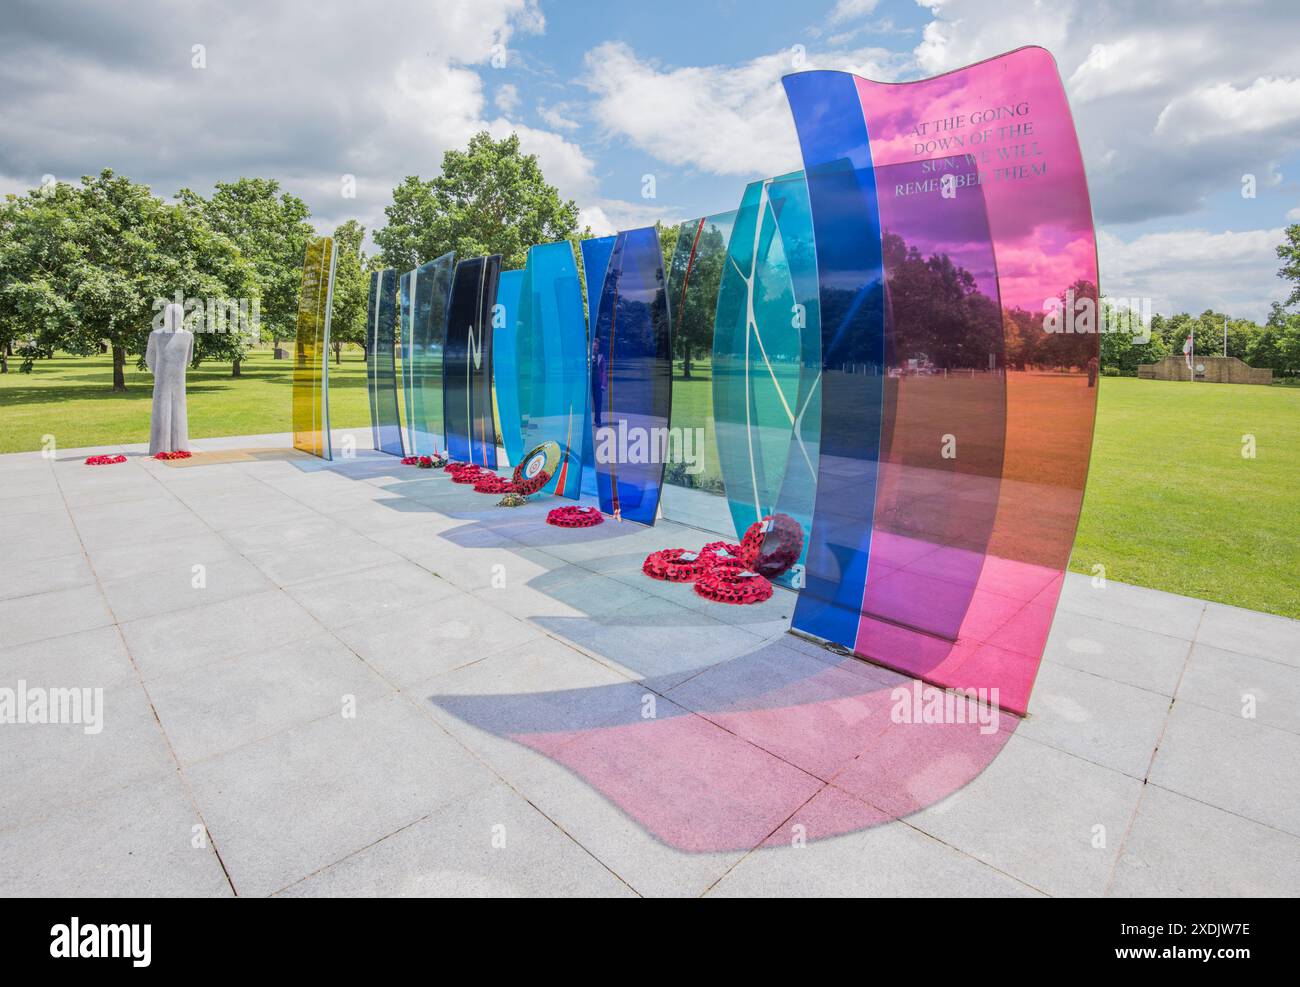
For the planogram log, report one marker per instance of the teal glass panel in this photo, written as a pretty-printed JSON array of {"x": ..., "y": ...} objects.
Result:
[
  {"x": 551, "y": 348},
  {"x": 405, "y": 308},
  {"x": 693, "y": 490},
  {"x": 505, "y": 366},
  {"x": 767, "y": 360},
  {"x": 430, "y": 285},
  {"x": 381, "y": 363}
]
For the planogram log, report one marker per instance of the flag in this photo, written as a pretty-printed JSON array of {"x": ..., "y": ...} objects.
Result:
[{"x": 1187, "y": 351}]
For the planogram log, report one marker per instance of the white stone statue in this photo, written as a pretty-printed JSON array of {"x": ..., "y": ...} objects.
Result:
[{"x": 167, "y": 356}]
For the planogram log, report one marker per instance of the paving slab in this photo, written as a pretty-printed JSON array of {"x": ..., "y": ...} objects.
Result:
[
  {"x": 1233, "y": 763},
  {"x": 282, "y": 808},
  {"x": 491, "y": 844},
  {"x": 1180, "y": 847},
  {"x": 144, "y": 840}
]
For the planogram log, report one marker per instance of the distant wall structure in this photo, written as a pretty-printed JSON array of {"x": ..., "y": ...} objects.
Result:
[{"x": 1210, "y": 369}]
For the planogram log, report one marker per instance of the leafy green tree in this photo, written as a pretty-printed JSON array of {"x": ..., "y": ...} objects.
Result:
[
  {"x": 37, "y": 241},
  {"x": 351, "y": 288},
  {"x": 1289, "y": 252},
  {"x": 92, "y": 265},
  {"x": 272, "y": 230},
  {"x": 489, "y": 199}
]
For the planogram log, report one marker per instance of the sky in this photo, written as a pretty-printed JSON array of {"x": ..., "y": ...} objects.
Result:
[{"x": 1176, "y": 103}]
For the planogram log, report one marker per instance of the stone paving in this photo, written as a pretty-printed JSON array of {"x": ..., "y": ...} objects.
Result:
[{"x": 361, "y": 679}]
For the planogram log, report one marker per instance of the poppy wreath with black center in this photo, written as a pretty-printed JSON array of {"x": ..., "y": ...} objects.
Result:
[
  {"x": 176, "y": 454},
  {"x": 730, "y": 584},
  {"x": 104, "y": 460},
  {"x": 410, "y": 460},
  {"x": 453, "y": 467},
  {"x": 527, "y": 487},
  {"x": 779, "y": 547},
  {"x": 574, "y": 517}
]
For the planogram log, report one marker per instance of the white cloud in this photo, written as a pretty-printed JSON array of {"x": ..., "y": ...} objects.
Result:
[
  {"x": 1222, "y": 110},
  {"x": 555, "y": 117},
  {"x": 507, "y": 98},
  {"x": 1192, "y": 270},
  {"x": 1173, "y": 101},
  {"x": 726, "y": 120},
  {"x": 293, "y": 90},
  {"x": 847, "y": 10},
  {"x": 606, "y": 216}
]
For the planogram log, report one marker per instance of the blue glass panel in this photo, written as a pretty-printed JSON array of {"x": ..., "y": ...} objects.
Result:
[
  {"x": 430, "y": 286},
  {"x": 595, "y": 262},
  {"x": 842, "y": 193},
  {"x": 631, "y": 379},
  {"x": 467, "y": 362},
  {"x": 505, "y": 366},
  {"x": 552, "y": 354},
  {"x": 381, "y": 363}
]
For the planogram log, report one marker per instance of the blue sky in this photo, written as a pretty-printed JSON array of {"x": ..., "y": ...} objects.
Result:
[{"x": 1174, "y": 100}]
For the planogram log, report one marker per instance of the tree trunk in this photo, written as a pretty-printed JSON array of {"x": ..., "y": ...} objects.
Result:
[
  {"x": 4, "y": 362},
  {"x": 338, "y": 354},
  {"x": 234, "y": 368},
  {"x": 119, "y": 368},
  {"x": 686, "y": 360}
]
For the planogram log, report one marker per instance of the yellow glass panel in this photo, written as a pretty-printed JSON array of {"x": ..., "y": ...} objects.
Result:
[{"x": 311, "y": 409}]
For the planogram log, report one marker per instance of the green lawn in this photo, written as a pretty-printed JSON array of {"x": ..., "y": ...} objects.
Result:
[
  {"x": 1171, "y": 502},
  {"x": 70, "y": 398}
]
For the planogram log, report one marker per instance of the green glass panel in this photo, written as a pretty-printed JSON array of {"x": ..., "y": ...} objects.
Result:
[{"x": 767, "y": 359}]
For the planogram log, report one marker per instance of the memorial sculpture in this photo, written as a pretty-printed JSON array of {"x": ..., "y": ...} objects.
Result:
[
  {"x": 899, "y": 403},
  {"x": 168, "y": 355}
]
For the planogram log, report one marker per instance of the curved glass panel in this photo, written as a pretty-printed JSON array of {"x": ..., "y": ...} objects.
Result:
[
  {"x": 381, "y": 363},
  {"x": 404, "y": 309},
  {"x": 693, "y": 490},
  {"x": 767, "y": 348},
  {"x": 985, "y": 392},
  {"x": 467, "y": 362},
  {"x": 595, "y": 261},
  {"x": 552, "y": 355},
  {"x": 311, "y": 409},
  {"x": 631, "y": 379},
  {"x": 505, "y": 366},
  {"x": 430, "y": 285}
]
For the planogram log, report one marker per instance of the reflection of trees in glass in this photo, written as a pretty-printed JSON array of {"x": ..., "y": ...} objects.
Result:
[
  {"x": 939, "y": 313},
  {"x": 695, "y": 305}
]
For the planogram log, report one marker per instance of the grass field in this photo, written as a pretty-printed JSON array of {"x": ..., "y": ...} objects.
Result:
[
  {"x": 70, "y": 398},
  {"x": 1171, "y": 502}
]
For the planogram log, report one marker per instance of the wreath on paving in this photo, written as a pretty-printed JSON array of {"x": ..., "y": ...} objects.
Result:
[{"x": 575, "y": 517}]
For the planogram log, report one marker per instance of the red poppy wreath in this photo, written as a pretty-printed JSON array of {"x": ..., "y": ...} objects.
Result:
[{"x": 574, "y": 517}]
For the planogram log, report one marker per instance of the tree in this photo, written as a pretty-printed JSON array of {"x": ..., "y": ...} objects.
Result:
[
  {"x": 489, "y": 199},
  {"x": 1289, "y": 251},
  {"x": 37, "y": 240},
  {"x": 271, "y": 230},
  {"x": 351, "y": 288},
  {"x": 89, "y": 265}
]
